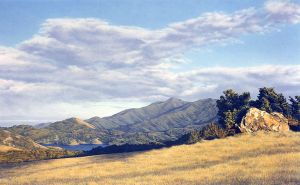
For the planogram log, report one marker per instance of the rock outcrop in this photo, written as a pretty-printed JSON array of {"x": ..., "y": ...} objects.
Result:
[{"x": 256, "y": 120}]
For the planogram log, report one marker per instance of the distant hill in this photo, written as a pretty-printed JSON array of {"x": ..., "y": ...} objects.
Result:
[
  {"x": 75, "y": 131},
  {"x": 157, "y": 122},
  {"x": 160, "y": 116},
  {"x": 18, "y": 142},
  {"x": 17, "y": 148},
  {"x": 138, "y": 115},
  {"x": 71, "y": 131}
]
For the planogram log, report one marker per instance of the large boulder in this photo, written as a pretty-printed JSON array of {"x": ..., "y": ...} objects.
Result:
[{"x": 256, "y": 120}]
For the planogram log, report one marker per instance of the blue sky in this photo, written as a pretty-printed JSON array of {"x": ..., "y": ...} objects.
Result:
[
  {"x": 21, "y": 19},
  {"x": 67, "y": 58}
]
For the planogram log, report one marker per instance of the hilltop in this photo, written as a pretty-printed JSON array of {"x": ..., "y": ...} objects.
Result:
[{"x": 260, "y": 158}]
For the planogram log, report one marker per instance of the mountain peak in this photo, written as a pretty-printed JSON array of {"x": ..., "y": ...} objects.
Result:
[
  {"x": 174, "y": 102},
  {"x": 172, "y": 99},
  {"x": 74, "y": 119}
]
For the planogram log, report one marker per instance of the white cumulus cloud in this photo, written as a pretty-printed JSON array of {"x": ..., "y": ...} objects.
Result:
[{"x": 75, "y": 61}]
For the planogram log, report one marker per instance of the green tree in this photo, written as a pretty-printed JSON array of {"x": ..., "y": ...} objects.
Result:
[
  {"x": 271, "y": 101},
  {"x": 231, "y": 109},
  {"x": 295, "y": 107},
  {"x": 230, "y": 118},
  {"x": 265, "y": 105}
]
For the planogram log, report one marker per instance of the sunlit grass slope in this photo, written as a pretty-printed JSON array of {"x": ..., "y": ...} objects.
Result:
[{"x": 264, "y": 158}]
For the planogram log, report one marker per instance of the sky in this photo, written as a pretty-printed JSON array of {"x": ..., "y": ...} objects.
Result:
[{"x": 65, "y": 58}]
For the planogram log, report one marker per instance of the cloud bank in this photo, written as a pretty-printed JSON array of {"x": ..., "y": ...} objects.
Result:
[{"x": 75, "y": 61}]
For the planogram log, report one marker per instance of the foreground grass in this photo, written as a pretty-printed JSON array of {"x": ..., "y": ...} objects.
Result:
[{"x": 264, "y": 158}]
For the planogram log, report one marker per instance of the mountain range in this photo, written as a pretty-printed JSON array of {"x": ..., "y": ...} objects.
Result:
[{"x": 157, "y": 122}]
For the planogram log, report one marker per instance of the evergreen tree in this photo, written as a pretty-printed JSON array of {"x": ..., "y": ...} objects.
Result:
[
  {"x": 284, "y": 105},
  {"x": 295, "y": 107},
  {"x": 265, "y": 105},
  {"x": 270, "y": 101},
  {"x": 230, "y": 121},
  {"x": 231, "y": 108}
]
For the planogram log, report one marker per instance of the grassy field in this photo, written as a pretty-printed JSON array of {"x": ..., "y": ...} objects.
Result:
[{"x": 264, "y": 158}]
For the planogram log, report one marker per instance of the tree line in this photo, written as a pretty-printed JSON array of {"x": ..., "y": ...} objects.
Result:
[{"x": 233, "y": 107}]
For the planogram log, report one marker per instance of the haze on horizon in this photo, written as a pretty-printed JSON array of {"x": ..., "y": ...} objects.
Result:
[{"x": 61, "y": 59}]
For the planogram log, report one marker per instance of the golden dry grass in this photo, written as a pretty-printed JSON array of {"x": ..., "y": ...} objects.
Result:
[
  {"x": 264, "y": 158},
  {"x": 4, "y": 148}
]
